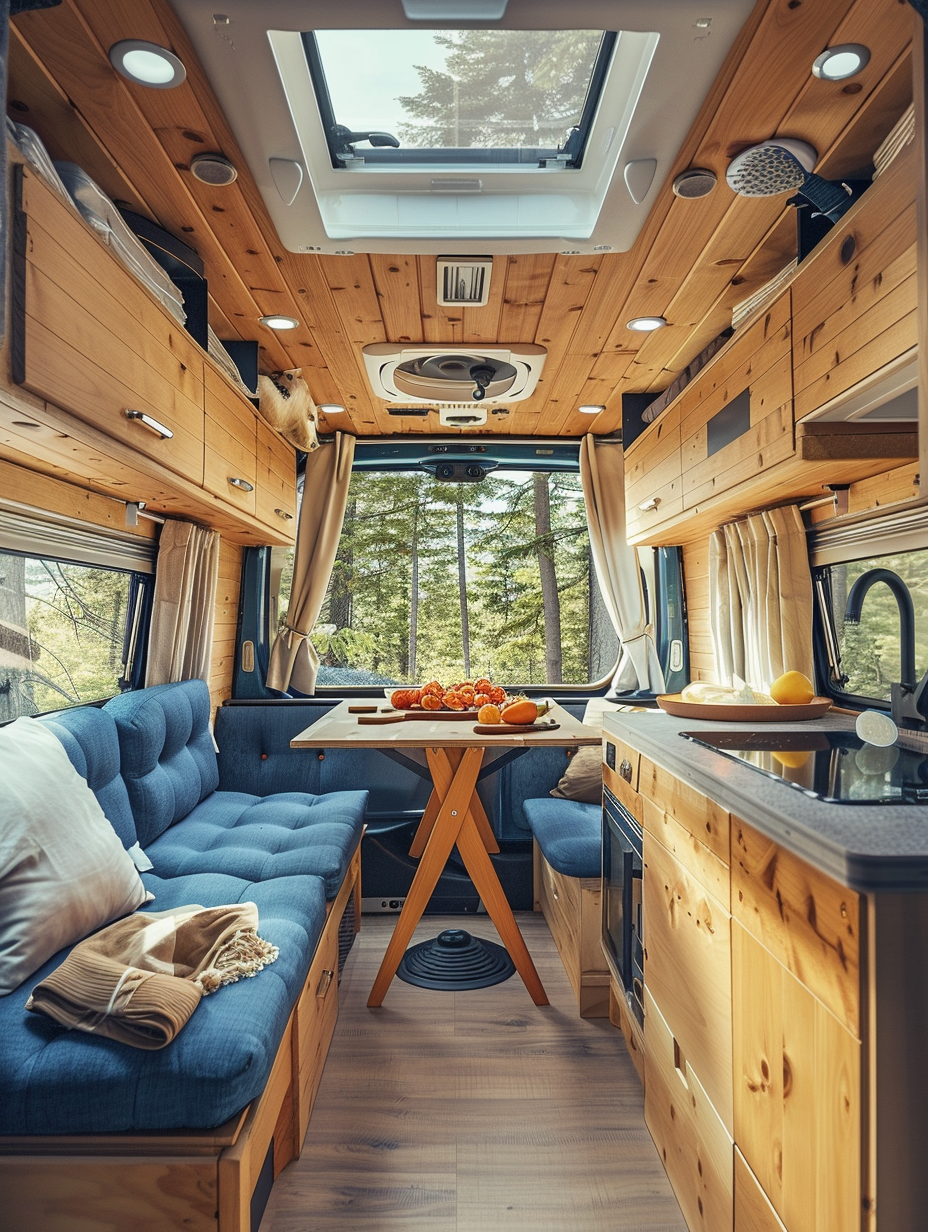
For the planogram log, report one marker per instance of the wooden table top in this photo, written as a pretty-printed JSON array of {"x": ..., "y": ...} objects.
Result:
[{"x": 341, "y": 730}]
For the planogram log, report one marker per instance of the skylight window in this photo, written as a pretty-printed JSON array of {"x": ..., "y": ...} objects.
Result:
[{"x": 422, "y": 98}]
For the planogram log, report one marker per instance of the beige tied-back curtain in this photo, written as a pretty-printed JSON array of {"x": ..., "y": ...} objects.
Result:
[
  {"x": 186, "y": 580},
  {"x": 602, "y": 473},
  {"x": 760, "y": 598},
  {"x": 294, "y": 661}
]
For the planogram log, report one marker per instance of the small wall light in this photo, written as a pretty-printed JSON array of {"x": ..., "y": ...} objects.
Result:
[
  {"x": 147, "y": 64},
  {"x": 644, "y": 325},
  {"x": 276, "y": 321},
  {"x": 590, "y": 410},
  {"x": 839, "y": 63},
  {"x": 331, "y": 408}
]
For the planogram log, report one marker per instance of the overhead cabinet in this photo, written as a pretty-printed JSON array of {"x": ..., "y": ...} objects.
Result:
[
  {"x": 90, "y": 341},
  {"x": 745, "y": 431}
]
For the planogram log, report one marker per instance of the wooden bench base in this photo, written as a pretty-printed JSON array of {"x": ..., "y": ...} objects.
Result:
[
  {"x": 573, "y": 911},
  {"x": 198, "y": 1180}
]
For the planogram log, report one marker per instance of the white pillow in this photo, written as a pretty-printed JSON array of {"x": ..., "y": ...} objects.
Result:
[{"x": 63, "y": 870}]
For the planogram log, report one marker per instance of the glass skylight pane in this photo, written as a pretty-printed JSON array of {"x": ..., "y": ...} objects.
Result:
[{"x": 460, "y": 89}]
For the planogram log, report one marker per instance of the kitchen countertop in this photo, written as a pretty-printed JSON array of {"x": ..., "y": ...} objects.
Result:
[{"x": 866, "y": 847}]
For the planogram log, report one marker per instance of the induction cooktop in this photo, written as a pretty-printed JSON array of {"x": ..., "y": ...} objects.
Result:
[{"x": 836, "y": 767}]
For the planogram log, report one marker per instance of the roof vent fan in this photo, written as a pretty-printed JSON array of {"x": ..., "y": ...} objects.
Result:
[{"x": 464, "y": 280}]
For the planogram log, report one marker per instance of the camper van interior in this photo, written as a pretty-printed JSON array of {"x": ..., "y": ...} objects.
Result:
[{"x": 464, "y": 567}]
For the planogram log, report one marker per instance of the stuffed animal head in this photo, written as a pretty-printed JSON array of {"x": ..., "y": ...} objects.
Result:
[{"x": 285, "y": 402}]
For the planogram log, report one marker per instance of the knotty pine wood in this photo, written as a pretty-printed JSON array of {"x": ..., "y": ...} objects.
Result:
[
  {"x": 698, "y": 816},
  {"x": 889, "y": 488},
  {"x": 753, "y": 1212},
  {"x": 692, "y": 261},
  {"x": 694, "y": 1144},
  {"x": 808, "y": 921},
  {"x": 572, "y": 907},
  {"x": 797, "y": 1093},
  {"x": 688, "y": 968},
  {"x": 473, "y": 1111},
  {"x": 43, "y": 492},
  {"x": 695, "y": 856},
  {"x": 620, "y": 1016}
]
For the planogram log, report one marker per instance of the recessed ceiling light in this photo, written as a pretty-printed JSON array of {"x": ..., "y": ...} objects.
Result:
[
  {"x": 331, "y": 408},
  {"x": 279, "y": 322},
  {"x": 839, "y": 63},
  {"x": 213, "y": 169},
  {"x": 590, "y": 410},
  {"x": 147, "y": 64},
  {"x": 645, "y": 324}
]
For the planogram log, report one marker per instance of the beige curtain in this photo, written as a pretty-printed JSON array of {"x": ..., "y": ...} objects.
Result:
[
  {"x": 325, "y": 493},
  {"x": 186, "y": 579},
  {"x": 602, "y": 472},
  {"x": 760, "y": 598}
]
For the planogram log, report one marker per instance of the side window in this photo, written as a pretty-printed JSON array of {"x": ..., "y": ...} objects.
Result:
[
  {"x": 69, "y": 633},
  {"x": 875, "y": 614},
  {"x": 455, "y": 580}
]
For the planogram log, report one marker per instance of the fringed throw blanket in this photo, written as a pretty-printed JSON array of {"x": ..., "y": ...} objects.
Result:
[{"x": 140, "y": 979}]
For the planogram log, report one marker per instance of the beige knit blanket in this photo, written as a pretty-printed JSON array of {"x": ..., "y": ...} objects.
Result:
[{"x": 140, "y": 979}]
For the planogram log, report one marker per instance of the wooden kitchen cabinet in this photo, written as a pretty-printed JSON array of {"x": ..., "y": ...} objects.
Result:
[{"x": 753, "y": 1212}]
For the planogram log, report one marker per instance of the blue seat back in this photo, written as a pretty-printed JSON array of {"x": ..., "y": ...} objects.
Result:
[
  {"x": 167, "y": 757},
  {"x": 90, "y": 741}
]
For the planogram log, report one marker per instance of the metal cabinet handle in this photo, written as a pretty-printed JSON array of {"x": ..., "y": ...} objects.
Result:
[
  {"x": 243, "y": 484},
  {"x": 325, "y": 983},
  {"x": 152, "y": 424},
  {"x": 625, "y": 770},
  {"x": 648, "y": 505},
  {"x": 282, "y": 513}
]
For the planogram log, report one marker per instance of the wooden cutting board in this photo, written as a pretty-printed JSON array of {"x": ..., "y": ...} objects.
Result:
[
  {"x": 503, "y": 729},
  {"x": 400, "y": 716}
]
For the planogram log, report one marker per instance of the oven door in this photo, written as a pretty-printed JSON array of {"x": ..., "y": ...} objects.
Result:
[{"x": 621, "y": 899}]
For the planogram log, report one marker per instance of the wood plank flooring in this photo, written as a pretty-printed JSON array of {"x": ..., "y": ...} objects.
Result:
[{"x": 473, "y": 1111}]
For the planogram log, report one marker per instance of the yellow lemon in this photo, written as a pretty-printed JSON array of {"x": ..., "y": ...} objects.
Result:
[{"x": 792, "y": 689}]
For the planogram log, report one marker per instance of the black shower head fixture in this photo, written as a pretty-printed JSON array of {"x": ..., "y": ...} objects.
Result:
[{"x": 784, "y": 164}]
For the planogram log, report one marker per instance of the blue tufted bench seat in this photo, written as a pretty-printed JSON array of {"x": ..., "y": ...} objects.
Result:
[
  {"x": 232, "y": 1094},
  {"x": 568, "y": 889}
]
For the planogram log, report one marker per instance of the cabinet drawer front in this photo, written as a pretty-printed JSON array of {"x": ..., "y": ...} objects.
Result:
[
  {"x": 753, "y": 1212},
  {"x": 808, "y": 921},
  {"x": 703, "y": 818},
  {"x": 797, "y": 1094},
  {"x": 275, "y": 487},
  {"x": 694, "y": 1145},
  {"x": 317, "y": 1010},
  {"x": 229, "y": 456},
  {"x": 687, "y": 936},
  {"x": 559, "y": 898},
  {"x": 698, "y": 860}
]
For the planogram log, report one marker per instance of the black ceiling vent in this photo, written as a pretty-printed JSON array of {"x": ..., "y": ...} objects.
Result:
[{"x": 454, "y": 961}]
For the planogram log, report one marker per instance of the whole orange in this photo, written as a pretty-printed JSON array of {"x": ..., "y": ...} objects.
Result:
[{"x": 488, "y": 713}]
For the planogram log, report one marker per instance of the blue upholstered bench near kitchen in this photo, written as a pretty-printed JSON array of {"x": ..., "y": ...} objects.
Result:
[
  {"x": 568, "y": 889},
  {"x": 185, "y": 1136}
]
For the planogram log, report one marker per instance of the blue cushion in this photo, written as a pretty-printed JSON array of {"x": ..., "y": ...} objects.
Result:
[
  {"x": 570, "y": 835},
  {"x": 167, "y": 757},
  {"x": 535, "y": 771},
  {"x": 256, "y": 837},
  {"x": 90, "y": 741},
  {"x": 55, "y": 1081}
]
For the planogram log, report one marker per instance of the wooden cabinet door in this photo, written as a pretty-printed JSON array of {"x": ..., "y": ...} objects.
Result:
[
  {"x": 687, "y": 934},
  {"x": 797, "y": 1094},
  {"x": 753, "y": 1212}
]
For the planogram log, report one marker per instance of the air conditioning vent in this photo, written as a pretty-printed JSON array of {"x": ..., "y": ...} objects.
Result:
[
  {"x": 464, "y": 280},
  {"x": 471, "y": 415}
]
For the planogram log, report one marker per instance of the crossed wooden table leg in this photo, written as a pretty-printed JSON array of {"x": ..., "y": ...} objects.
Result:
[{"x": 454, "y": 815}]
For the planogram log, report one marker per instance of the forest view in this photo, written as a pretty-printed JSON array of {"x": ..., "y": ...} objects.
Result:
[{"x": 457, "y": 580}]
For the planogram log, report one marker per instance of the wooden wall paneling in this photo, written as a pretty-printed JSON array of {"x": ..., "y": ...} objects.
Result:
[
  {"x": 27, "y": 487},
  {"x": 807, "y": 920},
  {"x": 653, "y": 475},
  {"x": 696, "y": 587},
  {"x": 63, "y": 38},
  {"x": 797, "y": 1094},
  {"x": 225, "y": 622},
  {"x": 527, "y": 279},
  {"x": 482, "y": 324},
  {"x": 889, "y": 488}
]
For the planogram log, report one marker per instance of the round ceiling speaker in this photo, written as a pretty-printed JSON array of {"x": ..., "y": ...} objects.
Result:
[
  {"x": 695, "y": 182},
  {"x": 213, "y": 169}
]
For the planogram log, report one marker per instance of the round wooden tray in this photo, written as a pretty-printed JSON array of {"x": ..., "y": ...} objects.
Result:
[{"x": 717, "y": 712}]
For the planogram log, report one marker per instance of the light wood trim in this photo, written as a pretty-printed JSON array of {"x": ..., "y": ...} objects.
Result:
[
  {"x": 807, "y": 920},
  {"x": 44, "y": 492},
  {"x": 633, "y": 1035}
]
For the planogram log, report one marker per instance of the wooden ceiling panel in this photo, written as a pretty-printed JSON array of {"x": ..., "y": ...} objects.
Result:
[{"x": 692, "y": 262}]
